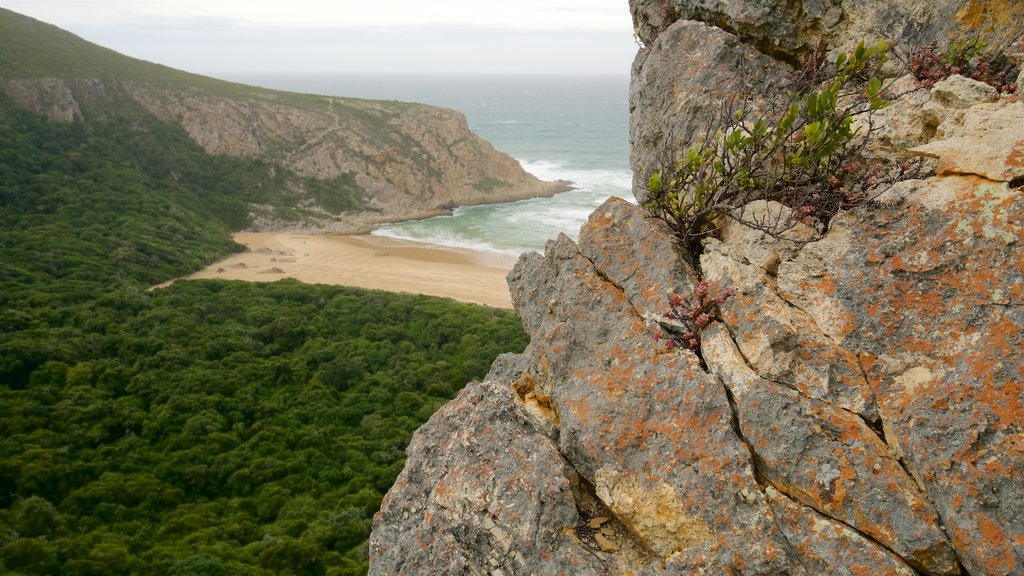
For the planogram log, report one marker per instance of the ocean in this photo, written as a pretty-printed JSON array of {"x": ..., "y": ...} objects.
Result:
[{"x": 568, "y": 128}]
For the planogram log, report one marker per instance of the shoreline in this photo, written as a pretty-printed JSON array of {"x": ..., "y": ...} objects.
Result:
[{"x": 366, "y": 261}]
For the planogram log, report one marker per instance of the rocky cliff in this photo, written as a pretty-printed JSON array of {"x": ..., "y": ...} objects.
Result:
[
  {"x": 409, "y": 160},
  {"x": 405, "y": 160},
  {"x": 857, "y": 409}
]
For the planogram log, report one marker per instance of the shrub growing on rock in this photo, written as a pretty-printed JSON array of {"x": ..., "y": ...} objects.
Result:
[
  {"x": 971, "y": 58},
  {"x": 804, "y": 152},
  {"x": 687, "y": 317}
]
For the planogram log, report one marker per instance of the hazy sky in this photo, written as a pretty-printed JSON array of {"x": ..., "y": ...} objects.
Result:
[{"x": 355, "y": 36}]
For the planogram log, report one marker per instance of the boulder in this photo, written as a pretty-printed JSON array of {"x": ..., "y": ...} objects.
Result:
[{"x": 482, "y": 492}]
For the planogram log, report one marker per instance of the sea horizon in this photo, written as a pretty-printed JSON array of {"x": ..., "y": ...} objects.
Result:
[{"x": 572, "y": 128}]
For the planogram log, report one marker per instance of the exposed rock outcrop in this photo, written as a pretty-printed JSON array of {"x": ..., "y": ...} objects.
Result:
[
  {"x": 702, "y": 55},
  {"x": 788, "y": 29},
  {"x": 857, "y": 408},
  {"x": 412, "y": 160},
  {"x": 409, "y": 160},
  {"x": 736, "y": 465}
]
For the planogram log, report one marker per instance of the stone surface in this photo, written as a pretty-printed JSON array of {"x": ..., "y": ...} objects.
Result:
[
  {"x": 789, "y": 29},
  {"x": 962, "y": 93},
  {"x": 829, "y": 547},
  {"x": 482, "y": 493},
  {"x": 779, "y": 341},
  {"x": 725, "y": 470},
  {"x": 986, "y": 140},
  {"x": 690, "y": 77},
  {"x": 829, "y": 459},
  {"x": 702, "y": 55},
  {"x": 648, "y": 428},
  {"x": 931, "y": 294}
]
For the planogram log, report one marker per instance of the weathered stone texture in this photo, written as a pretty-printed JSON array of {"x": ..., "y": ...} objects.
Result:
[
  {"x": 788, "y": 28},
  {"x": 650, "y": 430},
  {"x": 932, "y": 296},
  {"x": 688, "y": 79},
  {"x": 825, "y": 546},
  {"x": 985, "y": 140},
  {"x": 858, "y": 408},
  {"x": 829, "y": 459},
  {"x": 482, "y": 493},
  {"x": 861, "y": 409}
]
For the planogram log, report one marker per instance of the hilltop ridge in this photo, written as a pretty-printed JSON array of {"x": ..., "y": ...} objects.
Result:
[{"x": 387, "y": 160}]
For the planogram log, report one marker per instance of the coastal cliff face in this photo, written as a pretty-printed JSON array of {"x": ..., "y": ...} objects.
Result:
[
  {"x": 857, "y": 409},
  {"x": 408, "y": 160}
]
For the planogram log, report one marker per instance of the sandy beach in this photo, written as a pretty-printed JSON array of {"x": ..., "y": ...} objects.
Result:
[{"x": 369, "y": 262}]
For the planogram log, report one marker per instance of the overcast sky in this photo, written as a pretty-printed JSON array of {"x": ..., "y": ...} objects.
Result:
[{"x": 355, "y": 36}]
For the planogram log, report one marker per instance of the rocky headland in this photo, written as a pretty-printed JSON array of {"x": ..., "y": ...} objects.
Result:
[
  {"x": 408, "y": 160},
  {"x": 857, "y": 409},
  {"x": 400, "y": 160}
]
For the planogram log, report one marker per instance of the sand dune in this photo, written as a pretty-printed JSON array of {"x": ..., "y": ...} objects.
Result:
[{"x": 369, "y": 262}]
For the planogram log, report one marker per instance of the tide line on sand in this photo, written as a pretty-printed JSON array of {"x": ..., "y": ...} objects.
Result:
[{"x": 374, "y": 262}]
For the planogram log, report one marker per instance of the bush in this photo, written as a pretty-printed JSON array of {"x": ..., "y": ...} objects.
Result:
[
  {"x": 971, "y": 58},
  {"x": 804, "y": 153}
]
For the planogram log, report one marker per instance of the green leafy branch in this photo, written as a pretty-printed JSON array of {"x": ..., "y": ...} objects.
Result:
[{"x": 805, "y": 155}]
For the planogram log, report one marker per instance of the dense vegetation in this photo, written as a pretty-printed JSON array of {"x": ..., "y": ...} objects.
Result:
[
  {"x": 210, "y": 427},
  {"x": 222, "y": 427}
]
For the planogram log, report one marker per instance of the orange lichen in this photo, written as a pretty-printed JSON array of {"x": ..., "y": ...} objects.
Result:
[
  {"x": 997, "y": 551},
  {"x": 981, "y": 14},
  {"x": 1016, "y": 157}
]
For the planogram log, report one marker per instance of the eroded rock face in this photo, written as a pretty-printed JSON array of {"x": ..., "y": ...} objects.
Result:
[
  {"x": 883, "y": 438},
  {"x": 788, "y": 28},
  {"x": 691, "y": 76},
  {"x": 931, "y": 295},
  {"x": 411, "y": 160},
  {"x": 483, "y": 492},
  {"x": 858, "y": 406}
]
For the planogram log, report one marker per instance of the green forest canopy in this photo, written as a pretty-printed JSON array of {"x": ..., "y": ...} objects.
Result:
[{"x": 210, "y": 427}]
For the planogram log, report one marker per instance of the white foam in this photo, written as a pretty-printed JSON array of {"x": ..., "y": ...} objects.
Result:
[{"x": 524, "y": 225}]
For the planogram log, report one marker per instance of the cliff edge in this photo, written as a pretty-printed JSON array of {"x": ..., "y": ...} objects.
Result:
[{"x": 857, "y": 409}]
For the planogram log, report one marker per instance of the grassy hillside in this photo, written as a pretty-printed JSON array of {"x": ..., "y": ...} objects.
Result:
[
  {"x": 210, "y": 427},
  {"x": 33, "y": 49}
]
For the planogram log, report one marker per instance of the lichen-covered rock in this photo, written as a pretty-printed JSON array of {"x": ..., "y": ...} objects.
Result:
[
  {"x": 781, "y": 342},
  {"x": 931, "y": 294},
  {"x": 681, "y": 463},
  {"x": 789, "y": 29},
  {"x": 649, "y": 429},
  {"x": 829, "y": 459},
  {"x": 482, "y": 493},
  {"x": 829, "y": 547}
]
